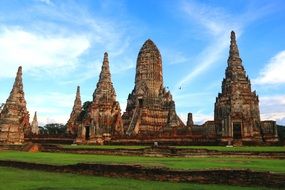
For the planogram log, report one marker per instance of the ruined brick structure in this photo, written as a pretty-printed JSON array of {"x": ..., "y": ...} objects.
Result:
[
  {"x": 150, "y": 108},
  {"x": 269, "y": 131},
  {"x": 100, "y": 118},
  {"x": 35, "y": 125},
  {"x": 72, "y": 124},
  {"x": 237, "y": 116},
  {"x": 190, "y": 120},
  {"x": 14, "y": 119}
]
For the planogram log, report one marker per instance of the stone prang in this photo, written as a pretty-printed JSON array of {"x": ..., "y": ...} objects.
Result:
[
  {"x": 237, "y": 115},
  {"x": 14, "y": 119},
  {"x": 102, "y": 116},
  {"x": 72, "y": 124},
  {"x": 35, "y": 125},
  {"x": 150, "y": 108}
]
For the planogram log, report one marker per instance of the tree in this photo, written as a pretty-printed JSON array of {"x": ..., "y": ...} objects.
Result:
[
  {"x": 54, "y": 129},
  {"x": 281, "y": 132}
]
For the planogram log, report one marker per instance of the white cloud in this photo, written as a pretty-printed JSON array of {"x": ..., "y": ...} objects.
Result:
[
  {"x": 48, "y": 2},
  {"x": 200, "y": 118},
  {"x": 273, "y": 100},
  {"x": 50, "y": 107},
  {"x": 279, "y": 117},
  {"x": 58, "y": 44},
  {"x": 273, "y": 73},
  {"x": 43, "y": 120},
  {"x": 214, "y": 19},
  {"x": 273, "y": 108},
  {"x": 39, "y": 52}
]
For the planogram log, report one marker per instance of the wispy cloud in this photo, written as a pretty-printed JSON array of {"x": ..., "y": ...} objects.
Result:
[
  {"x": 52, "y": 106},
  {"x": 64, "y": 42},
  {"x": 273, "y": 108},
  {"x": 69, "y": 36},
  {"x": 174, "y": 57},
  {"x": 48, "y": 2},
  {"x": 273, "y": 73},
  {"x": 217, "y": 26},
  {"x": 209, "y": 56},
  {"x": 36, "y": 52}
]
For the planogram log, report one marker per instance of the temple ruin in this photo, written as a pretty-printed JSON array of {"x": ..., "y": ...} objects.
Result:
[
  {"x": 150, "y": 113},
  {"x": 237, "y": 115},
  {"x": 35, "y": 125},
  {"x": 72, "y": 125},
  {"x": 150, "y": 108},
  {"x": 14, "y": 119},
  {"x": 100, "y": 118}
]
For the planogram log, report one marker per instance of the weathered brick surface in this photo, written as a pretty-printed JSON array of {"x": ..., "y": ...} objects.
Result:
[
  {"x": 237, "y": 115},
  {"x": 150, "y": 107},
  {"x": 100, "y": 118},
  {"x": 165, "y": 151},
  {"x": 14, "y": 118},
  {"x": 35, "y": 125},
  {"x": 72, "y": 123}
]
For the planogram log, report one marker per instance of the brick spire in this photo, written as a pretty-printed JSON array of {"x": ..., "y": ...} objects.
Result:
[
  {"x": 105, "y": 74},
  {"x": 17, "y": 92},
  {"x": 14, "y": 121},
  {"x": 17, "y": 95},
  {"x": 35, "y": 119},
  {"x": 103, "y": 114},
  {"x": 35, "y": 124},
  {"x": 234, "y": 52},
  {"x": 77, "y": 101},
  {"x": 104, "y": 86},
  {"x": 77, "y": 107},
  {"x": 237, "y": 104},
  {"x": 235, "y": 70}
]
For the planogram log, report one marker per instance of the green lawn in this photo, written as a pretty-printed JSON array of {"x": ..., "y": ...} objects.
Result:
[
  {"x": 257, "y": 164},
  {"x": 17, "y": 179}
]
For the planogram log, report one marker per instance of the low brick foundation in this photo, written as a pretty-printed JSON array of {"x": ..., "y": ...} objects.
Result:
[
  {"x": 228, "y": 177},
  {"x": 163, "y": 151}
]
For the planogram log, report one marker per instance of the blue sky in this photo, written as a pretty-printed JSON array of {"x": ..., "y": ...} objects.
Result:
[{"x": 60, "y": 45}]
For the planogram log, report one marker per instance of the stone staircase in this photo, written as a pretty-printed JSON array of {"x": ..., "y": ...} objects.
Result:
[{"x": 133, "y": 121}]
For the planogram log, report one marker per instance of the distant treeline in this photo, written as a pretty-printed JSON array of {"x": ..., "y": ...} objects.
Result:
[
  {"x": 281, "y": 133},
  {"x": 53, "y": 129}
]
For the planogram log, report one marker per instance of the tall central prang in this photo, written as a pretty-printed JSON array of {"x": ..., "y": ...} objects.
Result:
[
  {"x": 149, "y": 78},
  {"x": 150, "y": 108}
]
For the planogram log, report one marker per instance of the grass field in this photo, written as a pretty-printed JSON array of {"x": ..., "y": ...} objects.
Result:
[
  {"x": 257, "y": 164},
  {"x": 17, "y": 179},
  {"x": 219, "y": 148}
]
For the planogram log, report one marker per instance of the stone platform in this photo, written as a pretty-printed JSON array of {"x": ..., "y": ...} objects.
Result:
[{"x": 164, "y": 151}]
